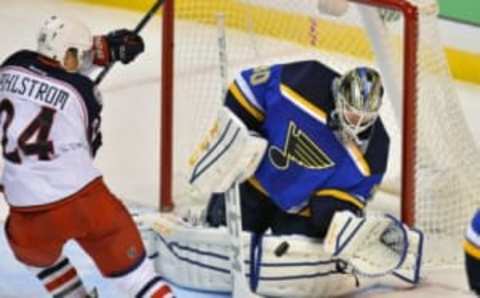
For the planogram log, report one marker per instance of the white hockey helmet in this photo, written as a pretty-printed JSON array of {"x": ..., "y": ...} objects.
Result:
[
  {"x": 358, "y": 98},
  {"x": 57, "y": 35}
]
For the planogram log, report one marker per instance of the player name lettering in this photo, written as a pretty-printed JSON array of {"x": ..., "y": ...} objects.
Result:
[{"x": 35, "y": 90}]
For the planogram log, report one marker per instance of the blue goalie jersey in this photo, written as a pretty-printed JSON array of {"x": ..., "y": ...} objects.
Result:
[
  {"x": 291, "y": 106},
  {"x": 471, "y": 246},
  {"x": 472, "y": 238}
]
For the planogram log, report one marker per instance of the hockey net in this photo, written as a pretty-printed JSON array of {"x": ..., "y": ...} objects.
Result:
[{"x": 434, "y": 163}]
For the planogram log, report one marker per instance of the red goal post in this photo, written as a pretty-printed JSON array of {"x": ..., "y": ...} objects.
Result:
[
  {"x": 283, "y": 30},
  {"x": 410, "y": 15},
  {"x": 407, "y": 9}
]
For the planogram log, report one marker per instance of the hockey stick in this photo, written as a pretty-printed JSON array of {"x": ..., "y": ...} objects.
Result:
[
  {"x": 222, "y": 53},
  {"x": 240, "y": 286},
  {"x": 137, "y": 30}
]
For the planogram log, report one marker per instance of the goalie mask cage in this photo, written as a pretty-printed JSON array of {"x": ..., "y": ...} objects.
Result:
[{"x": 434, "y": 163}]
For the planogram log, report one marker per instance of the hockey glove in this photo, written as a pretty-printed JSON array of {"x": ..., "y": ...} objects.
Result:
[{"x": 120, "y": 45}]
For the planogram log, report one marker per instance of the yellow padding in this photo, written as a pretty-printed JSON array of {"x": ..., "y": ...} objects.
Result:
[
  {"x": 270, "y": 22},
  {"x": 256, "y": 184},
  {"x": 464, "y": 65},
  {"x": 360, "y": 160},
  {"x": 126, "y": 4},
  {"x": 342, "y": 196},
  {"x": 304, "y": 103},
  {"x": 471, "y": 249},
  {"x": 243, "y": 101},
  {"x": 305, "y": 212}
]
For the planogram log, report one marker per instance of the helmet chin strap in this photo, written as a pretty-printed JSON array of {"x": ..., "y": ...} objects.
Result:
[{"x": 348, "y": 134}]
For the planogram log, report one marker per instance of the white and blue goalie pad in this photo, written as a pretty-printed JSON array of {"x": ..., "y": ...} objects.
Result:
[{"x": 197, "y": 257}]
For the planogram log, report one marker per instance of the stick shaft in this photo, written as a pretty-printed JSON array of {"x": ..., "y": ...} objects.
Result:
[
  {"x": 144, "y": 21},
  {"x": 241, "y": 287}
]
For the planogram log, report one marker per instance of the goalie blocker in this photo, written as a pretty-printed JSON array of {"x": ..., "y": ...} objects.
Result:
[{"x": 229, "y": 153}]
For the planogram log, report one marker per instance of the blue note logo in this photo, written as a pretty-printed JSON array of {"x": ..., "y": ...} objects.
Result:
[{"x": 300, "y": 149}]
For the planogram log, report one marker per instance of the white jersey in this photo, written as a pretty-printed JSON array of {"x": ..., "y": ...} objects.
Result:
[{"x": 49, "y": 119}]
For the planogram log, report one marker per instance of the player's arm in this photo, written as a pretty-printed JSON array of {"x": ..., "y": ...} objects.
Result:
[
  {"x": 121, "y": 45},
  {"x": 247, "y": 95},
  {"x": 94, "y": 103},
  {"x": 325, "y": 202},
  {"x": 94, "y": 129},
  {"x": 234, "y": 147}
]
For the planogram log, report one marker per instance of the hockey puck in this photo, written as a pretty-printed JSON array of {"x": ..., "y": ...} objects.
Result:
[{"x": 281, "y": 249}]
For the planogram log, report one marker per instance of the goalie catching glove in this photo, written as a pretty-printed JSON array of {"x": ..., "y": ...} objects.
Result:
[
  {"x": 229, "y": 153},
  {"x": 376, "y": 245},
  {"x": 120, "y": 45}
]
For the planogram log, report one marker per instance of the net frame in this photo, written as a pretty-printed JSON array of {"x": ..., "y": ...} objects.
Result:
[
  {"x": 410, "y": 13},
  {"x": 417, "y": 70}
]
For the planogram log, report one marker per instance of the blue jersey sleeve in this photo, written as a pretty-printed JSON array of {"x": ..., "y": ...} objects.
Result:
[
  {"x": 365, "y": 190},
  {"x": 472, "y": 245},
  {"x": 475, "y": 224},
  {"x": 248, "y": 94},
  {"x": 357, "y": 196},
  {"x": 472, "y": 253}
]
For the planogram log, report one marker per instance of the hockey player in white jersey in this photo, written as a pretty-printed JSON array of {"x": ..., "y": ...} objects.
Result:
[{"x": 50, "y": 116}]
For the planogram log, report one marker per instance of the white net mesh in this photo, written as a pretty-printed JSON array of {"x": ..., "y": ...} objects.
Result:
[
  {"x": 260, "y": 32},
  {"x": 447, "y": 179}
]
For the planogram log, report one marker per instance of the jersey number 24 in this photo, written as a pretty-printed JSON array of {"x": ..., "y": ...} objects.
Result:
[{"x": 40, "y": 126}]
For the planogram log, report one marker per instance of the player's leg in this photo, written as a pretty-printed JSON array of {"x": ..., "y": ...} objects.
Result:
[
  {"x": 257, "y": 209},
  {"x": 290, "y": 224},
  {"x": 313, "y": 221},
  {"x": 37, "y": 243},
  {"x": 324, "y": 208},
  {"x": 115, "y": 245},
  {"x": 472, "y": 253},
  {"x": 60, "y": 279}
]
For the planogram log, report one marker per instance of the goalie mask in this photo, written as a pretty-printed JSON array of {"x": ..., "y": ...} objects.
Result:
[
  {"x": 358, "y": 97},
  {"x": 58, "y": 35}
]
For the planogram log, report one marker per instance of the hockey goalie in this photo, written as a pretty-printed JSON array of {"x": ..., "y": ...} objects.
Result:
[{"x": 291, "y": 162}]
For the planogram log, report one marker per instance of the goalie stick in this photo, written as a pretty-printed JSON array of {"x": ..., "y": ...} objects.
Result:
[
  {"x": 222, "y": 53},
  {"x": 240, "y": 286},
  {"x": 137, "y": 30}
]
